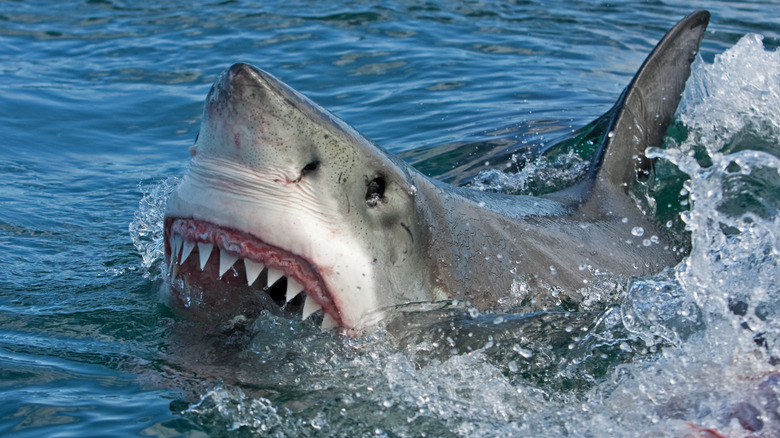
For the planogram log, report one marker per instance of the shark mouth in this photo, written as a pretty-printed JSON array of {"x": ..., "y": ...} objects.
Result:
[{"x": 244, "y": 270}]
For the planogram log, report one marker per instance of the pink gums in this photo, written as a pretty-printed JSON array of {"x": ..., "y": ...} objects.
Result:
[{"x": 244, "y": 245}]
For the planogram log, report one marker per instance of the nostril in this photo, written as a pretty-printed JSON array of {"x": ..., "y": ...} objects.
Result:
[{"x": 311, "y": 167}]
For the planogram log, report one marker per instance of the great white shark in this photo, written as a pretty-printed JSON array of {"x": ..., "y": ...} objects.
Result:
[{"x": 285, "y": 206}]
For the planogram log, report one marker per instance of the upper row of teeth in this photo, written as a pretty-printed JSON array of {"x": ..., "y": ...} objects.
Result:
[{"x": 181, "y": 249}]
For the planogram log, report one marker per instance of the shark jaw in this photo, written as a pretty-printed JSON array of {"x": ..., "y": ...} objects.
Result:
[
  {"x": 244, "y": 241},
  {"x": 239, "y": 256}
]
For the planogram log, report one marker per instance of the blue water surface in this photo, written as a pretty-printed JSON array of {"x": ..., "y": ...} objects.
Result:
[{"x": 100, "y": 100}]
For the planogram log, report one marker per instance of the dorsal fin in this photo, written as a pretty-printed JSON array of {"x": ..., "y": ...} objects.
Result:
[{"x": 646, "y": 108}]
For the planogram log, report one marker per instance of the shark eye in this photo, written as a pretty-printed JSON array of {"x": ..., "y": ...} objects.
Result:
[
  {"x": 311, "y": 167},
  {"x": 375, "y": 191}
]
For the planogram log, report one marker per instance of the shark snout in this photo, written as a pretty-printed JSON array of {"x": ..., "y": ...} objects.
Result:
[
  {"x": 240, "y": 78},
  {"x": 241, "y": 83},
  {"x": 253, "y": 119},
  {"x": 239, "y": 70}
]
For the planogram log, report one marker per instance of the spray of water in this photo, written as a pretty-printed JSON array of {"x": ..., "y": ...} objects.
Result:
[
  {"x": 716, "y": 315},
  {"x": 146, "y": 229}
]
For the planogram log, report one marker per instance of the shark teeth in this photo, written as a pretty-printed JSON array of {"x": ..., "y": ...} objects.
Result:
[
  {"x": 182, "y": 249},
  {"x": 253, "y": 270},
  {"x": 176, "y": 244},
  {"x": 226, "y": 261},
  {"x": 274, "y": 275},
  {"x": 186, "y": 250},
  {"x": 293, "y": 289},
  {"x": 328, "y": 322},
  {"x": 204, "y": 250},
  {"x": 309, "y": 306}
]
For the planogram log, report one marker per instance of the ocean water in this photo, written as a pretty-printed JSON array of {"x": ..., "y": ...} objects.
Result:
[{"x": 100, "y": 100}]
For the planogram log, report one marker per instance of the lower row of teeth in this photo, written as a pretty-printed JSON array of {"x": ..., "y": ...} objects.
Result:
[{"x": 181, "y": 249}]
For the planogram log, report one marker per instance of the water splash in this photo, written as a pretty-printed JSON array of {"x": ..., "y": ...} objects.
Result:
[
  {"x": 146, "y": 229},
  {"x": 733, "y": 104},
  {"x": 233, "y": 405},
  {"x": 540, "y": 175},
  {"x": 732, "y": 111},
  {"x": 715, "y": 318}
]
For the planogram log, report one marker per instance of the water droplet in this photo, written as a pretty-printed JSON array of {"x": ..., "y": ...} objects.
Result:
[
  {"x": 638, "y": 231},
  {"x": 526, "y": 354}
]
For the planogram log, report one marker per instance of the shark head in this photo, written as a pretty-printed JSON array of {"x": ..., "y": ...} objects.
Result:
[{"x": 279, "y": 187}]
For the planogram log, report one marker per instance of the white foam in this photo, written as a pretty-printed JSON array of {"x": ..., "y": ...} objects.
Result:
[
  {"x": 540, "y": 175},
  {"x": 739, "y": 91},
  {"x": 731, "y": 279}
]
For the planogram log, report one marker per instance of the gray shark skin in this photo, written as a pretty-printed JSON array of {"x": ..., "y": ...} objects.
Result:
[{"x": 280, "y": 188}]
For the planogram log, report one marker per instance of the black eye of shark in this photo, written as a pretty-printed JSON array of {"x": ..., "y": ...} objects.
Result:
[{"x": 375, "y": 191}]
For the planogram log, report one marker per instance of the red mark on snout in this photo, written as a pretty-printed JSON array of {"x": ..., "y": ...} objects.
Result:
[{"x": 237, "y": 140}]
